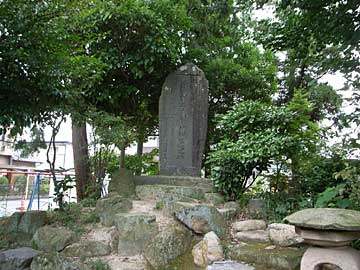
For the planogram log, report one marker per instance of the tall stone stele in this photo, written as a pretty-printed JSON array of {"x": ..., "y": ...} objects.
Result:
[{"x": 183, "y": 117}]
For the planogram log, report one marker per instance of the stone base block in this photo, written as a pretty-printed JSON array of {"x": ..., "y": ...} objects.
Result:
[
  {"x": 205, "y": 184},
  {"x": 346, "y": 258}
]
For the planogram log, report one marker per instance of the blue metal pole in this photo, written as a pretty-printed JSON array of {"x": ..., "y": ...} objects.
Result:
[
  {"x": 38, "y": 190},
  {"x": 32, "y": 195}
]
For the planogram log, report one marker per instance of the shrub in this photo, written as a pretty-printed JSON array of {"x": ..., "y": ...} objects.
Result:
[
  {"x": 145, "y": 164},
  {"x": 99, "y": 265},
  {"x": 344, "y": 195},
  {"x": 20, "y": 182},
  {"x": 4, "y": 181},
  {"x": 255, "y": 136}
]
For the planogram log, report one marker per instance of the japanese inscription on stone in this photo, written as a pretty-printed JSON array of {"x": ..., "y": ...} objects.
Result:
[{"x": 183, "y": 113}]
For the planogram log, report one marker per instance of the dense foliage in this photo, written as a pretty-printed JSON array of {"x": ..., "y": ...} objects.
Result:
[{"x": 255, "y": 136}]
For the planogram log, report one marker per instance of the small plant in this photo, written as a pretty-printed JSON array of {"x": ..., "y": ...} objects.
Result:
[
  {"x": 159, "y": 205},
  {"x": 90, "y": 218},
  {"x": 60, "y": 189},
  {"x": 69, "y": 217},
  {"x": 100, "y": 265},
  {"x": 88, "y": 202},
  {"x": 333, "y": 197}
]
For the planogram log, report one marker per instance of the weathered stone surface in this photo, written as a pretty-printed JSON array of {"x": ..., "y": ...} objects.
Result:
[
  {"x": 56, "y": 261},
  {"x": 50, "y": 238},
  {"x": 135, "y": 231},
  {"x": 18, "y": 229},
  {"x": 344, "y": 258},
  {"x": 283, "y": 235},
  {"x": 172, "y": 242},
  {"x": 183, "y": 111},
  {"x": 259, "y": 236},
  {"x": 214, "y": 198},
  {"x": 326, "y": 219},
  {"x": 174, "y": 180},
  {"x": 279, "y": 258},
  {"x": 232, "y": 205},
  {"x": 228, "y": 213},
  {"x": 208, "y": 250},
  {"x": 168, "y": 197},
  {"x": 87, "y": 248},
  {"x": 106, "y": 235},
  {"x": 249, "y": 225},
  {"x": 201, "y": 218},
  {"x": 122, "y": 182},
  {"x": 128, "y": 263},
  {"x": 327, "y": 238},
  {"x": 17, "y": 259},
  {"x": 157, "y": 192},
  {"x": 229, "y": 265},
  {"x": 109, "y": 206},
  {"x": 26, "y": 222}
]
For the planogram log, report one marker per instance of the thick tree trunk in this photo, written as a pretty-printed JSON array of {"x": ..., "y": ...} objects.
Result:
[
  {"x": 81, "y": 158},
  {"x": 122, "y": 157}
]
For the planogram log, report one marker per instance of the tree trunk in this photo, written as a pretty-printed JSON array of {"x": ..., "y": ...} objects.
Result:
[
  {"x": 139, "y": 150},
  {"x": 81, "y": 158},
  {"x": 122, "y": 157}
]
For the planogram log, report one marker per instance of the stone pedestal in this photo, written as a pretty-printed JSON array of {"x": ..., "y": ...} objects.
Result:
[
  {"x": 346, "y": 258},
  {"x": 327, "y": 238}
]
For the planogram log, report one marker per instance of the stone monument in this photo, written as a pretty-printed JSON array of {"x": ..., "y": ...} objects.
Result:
[{"x": 183, "y": 112}]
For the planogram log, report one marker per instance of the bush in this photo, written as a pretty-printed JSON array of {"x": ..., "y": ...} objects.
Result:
[
  {"x": 20, "y": 182},
  {"x": 255, "y": 136},
  {"x": 145, "y": 164},
  {"x": 4, "y": 181},
  {"x": 317, "y": 173},
  {"x": 74, "y": 217},
  {"x": 344, "y": 195},
  {"x": 229, "y": 173}
]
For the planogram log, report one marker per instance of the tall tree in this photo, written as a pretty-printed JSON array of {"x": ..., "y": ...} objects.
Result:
[{"x": 81, "y": 158}]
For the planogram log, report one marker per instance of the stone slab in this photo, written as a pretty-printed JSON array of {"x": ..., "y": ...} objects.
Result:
[
  {"x": 156, "y": 192},
  {"x": 258, "y": 236},
  {"x": 183, "y": 112},
  {"x": 249, "y": 225},
  {"x": 173, "y": 180},
  {"x": 277, "y": 258},
  {"x": 326, "y": 219},
  {"x": 201, "y": 218}
]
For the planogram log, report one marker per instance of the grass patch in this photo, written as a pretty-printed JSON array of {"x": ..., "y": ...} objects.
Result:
[{"x": 73, "y": 217}]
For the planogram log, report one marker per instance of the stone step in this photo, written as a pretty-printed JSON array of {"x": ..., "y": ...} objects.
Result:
[
  {"x": 203, "y": 183},
  {"x": 157, "y": 192},
  {"x": 270, "y": 256},
  {"x": 258, "y": 236}
]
